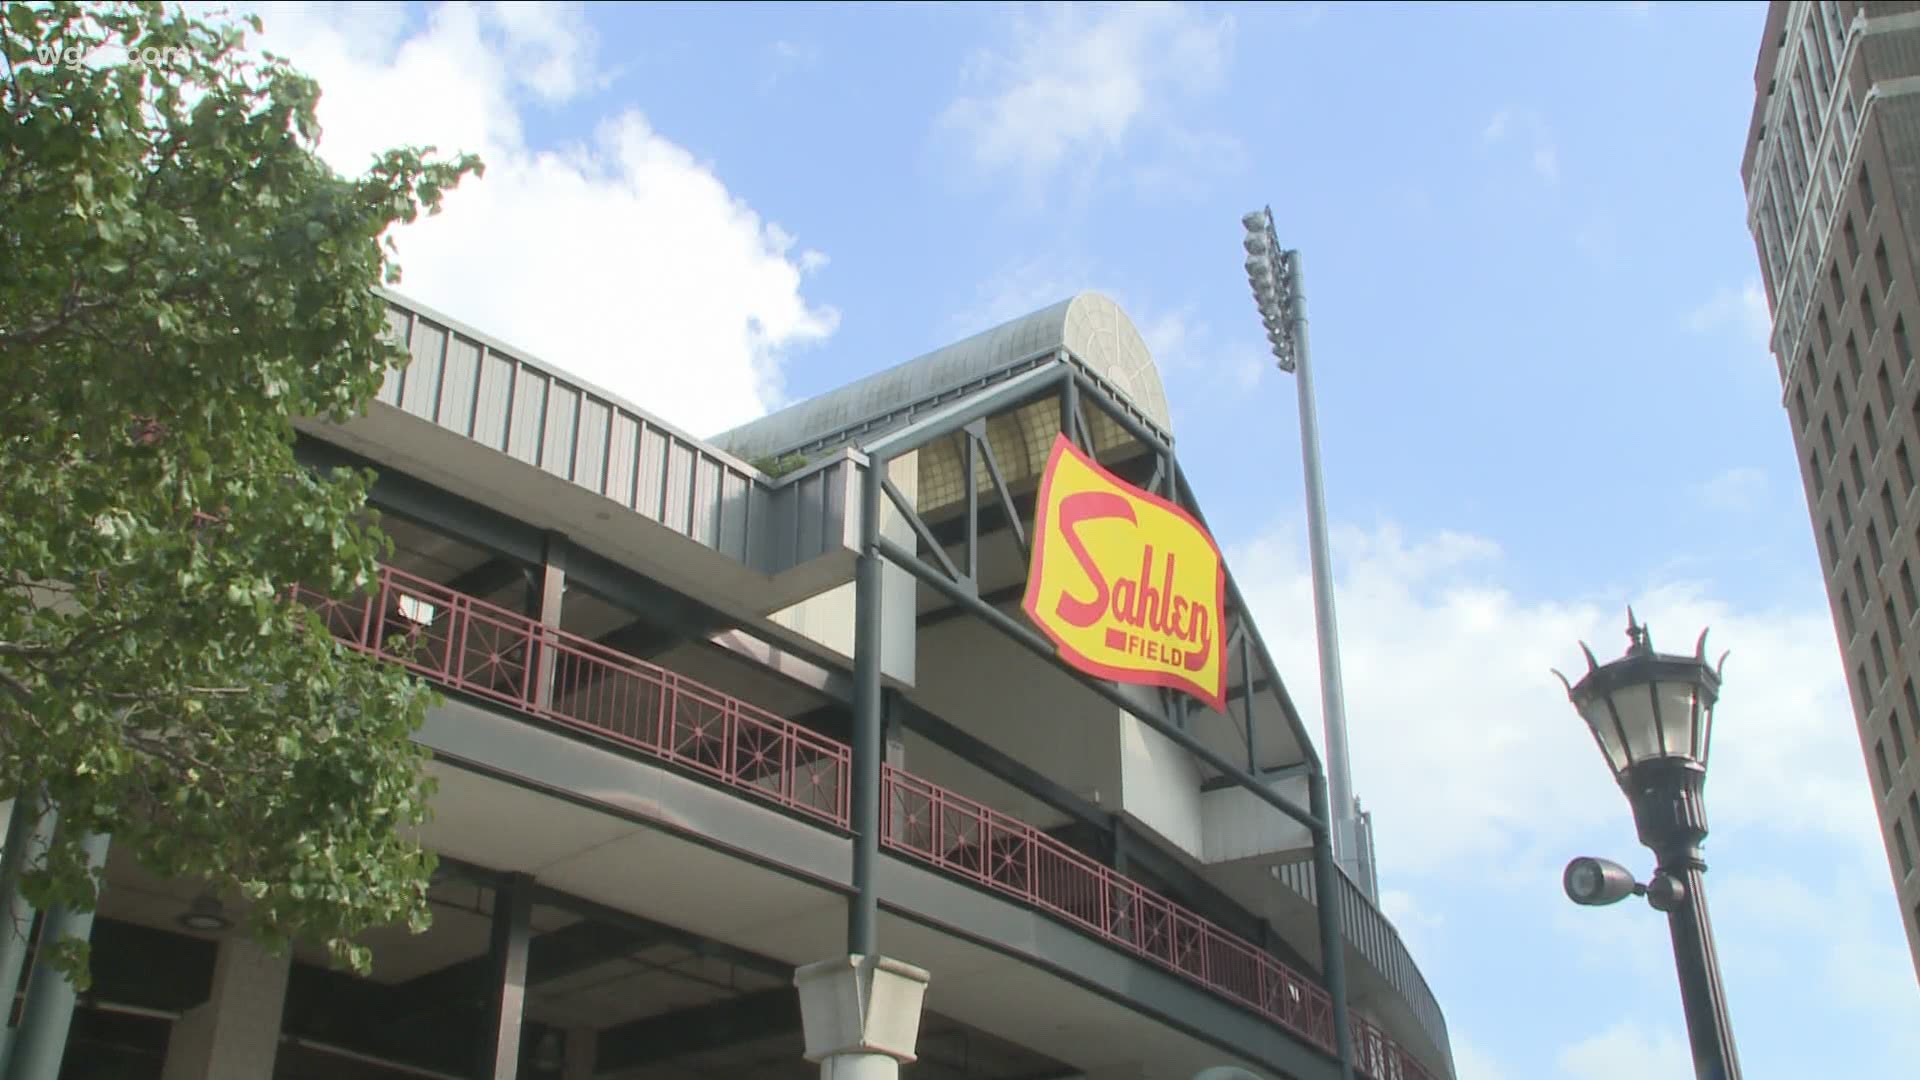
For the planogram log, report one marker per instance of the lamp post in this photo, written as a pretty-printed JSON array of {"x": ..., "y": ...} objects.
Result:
[
  {"x": 1652, "y": 716},
  {"x": 1279, "y": 294}
]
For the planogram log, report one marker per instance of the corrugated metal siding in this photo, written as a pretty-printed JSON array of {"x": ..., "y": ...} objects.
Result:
[{"x": 471, "y": 387}]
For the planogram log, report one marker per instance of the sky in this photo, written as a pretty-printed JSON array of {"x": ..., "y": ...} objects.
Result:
[{"x": 1539, "y": 346}]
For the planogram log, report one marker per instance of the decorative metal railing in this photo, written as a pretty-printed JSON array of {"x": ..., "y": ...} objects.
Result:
[{"x": 489, "y": 652}]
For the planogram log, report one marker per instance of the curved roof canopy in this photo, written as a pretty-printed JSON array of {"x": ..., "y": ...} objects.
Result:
[{"x": 1088, "y": 327}]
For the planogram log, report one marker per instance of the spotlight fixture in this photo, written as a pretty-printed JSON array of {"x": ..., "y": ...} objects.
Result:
[{"x": 205, "y": 915}]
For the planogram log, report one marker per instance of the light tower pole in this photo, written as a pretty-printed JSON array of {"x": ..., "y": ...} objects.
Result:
[{"x": 1280, "y": 296}]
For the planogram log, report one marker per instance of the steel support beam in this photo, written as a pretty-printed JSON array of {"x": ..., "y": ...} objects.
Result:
[
  {"x": 869, "y": 745},
  {"x": 1015, "y": 392},
  {"x": 397, "y": 493},
  {"x": 491, "y": 576},
  {"x": 1333, "y": 950},
  {"x": 500, "y": 1039}
]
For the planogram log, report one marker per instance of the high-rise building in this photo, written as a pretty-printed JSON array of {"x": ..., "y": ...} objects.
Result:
[{"x": 1832, "y": 172}]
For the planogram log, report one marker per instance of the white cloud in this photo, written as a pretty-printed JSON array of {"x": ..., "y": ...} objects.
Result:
[
  {"x": 623, "y": 260},
  {"x": 1470, "y": 1062},
  {"x": 1627, "y": 1050},
  {"x": 1077, "y": 84},
  {"x": 1741, "y": 489},
  {"x": 1530, "y": 127},
  {"x": 1447, "y": 682},
  {"x": 1743, "y": 310}
]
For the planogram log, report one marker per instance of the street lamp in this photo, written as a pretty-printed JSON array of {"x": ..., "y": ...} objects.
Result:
[
  {"x": 1278, "y": 293},
  {"x": 1652, "y": 716}
]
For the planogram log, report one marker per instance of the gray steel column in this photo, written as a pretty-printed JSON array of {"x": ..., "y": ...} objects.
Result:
[
  {"x": 28, "y": 832},
  {"x": 868, "y": 735},
  {"x": 500, "y": 1040},
  {"x": 1326, "y": 902},
  {"x": 1333, "y": 704},
  {"x": 42, "y": 1039}
]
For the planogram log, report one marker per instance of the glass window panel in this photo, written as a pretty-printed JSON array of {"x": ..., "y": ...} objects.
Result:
[
  {"x": 1635, "y": 707},
  {"x": 1601, "y": 721},
  {"x": 1677, "y": 717}
]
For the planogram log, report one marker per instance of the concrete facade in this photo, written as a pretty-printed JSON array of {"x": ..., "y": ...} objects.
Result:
[{"x": 1832, "y": 173}]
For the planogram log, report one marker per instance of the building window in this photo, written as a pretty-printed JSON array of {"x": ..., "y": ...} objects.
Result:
[
  {"x": 1853, "y": 360},
  {"x": 1880, "y": 759},
  {"x": 1871, "y": 428},
  {"x": 1799, "y": 408},
  {"x": 1826, "y": 336},
  {"x": 1839, "y": 390},
  {"x": 1899, "y": 639},
  {"x": 1873, "y": 543},
  {"x": 1846, "y": 616},
  {"x": 1886, "y": 391},
  {"x": 1812, "y": 365},
  {"x": 1913, "y": 708},
  {"x": 1867, "y": 313},
  {"x": 1913, "y": 808},
  {"x": 1813, "y": 470},
  {"x": 1879, "y": 659},
  {"x": 1860, "y": 578},
  {"x": 1886, "y": 504},
  {"x": 1853, "y": 462},
  {"x": 1833, "y": 549},
  {"x": 1865, "y": 185},
  {"x": 1883, "y": 267},
  {"x": 1846, "y": 510},
  {"x": 1899, "y": 741},
  {"x": 1906, "y": 853},
  {"x": 1852, "y": 238},
  {"x": 1834, "y": 286},
  {"x": 1904, "y": 463},
  {"x": 1901, "y": 346},
  {"x": 1826, "y": 428},
  {"x": 1865, "y": 691},
  {"x": 1913, "y": 605}
]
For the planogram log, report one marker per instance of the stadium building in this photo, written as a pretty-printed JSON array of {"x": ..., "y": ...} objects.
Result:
[{"x": 920, "y": 724}]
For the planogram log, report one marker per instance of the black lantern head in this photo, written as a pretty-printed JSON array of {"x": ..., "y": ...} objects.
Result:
[{"x": 1648, "y": 705}]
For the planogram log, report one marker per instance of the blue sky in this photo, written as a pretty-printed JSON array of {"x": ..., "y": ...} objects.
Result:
[{"x": 1543, "y": 387}]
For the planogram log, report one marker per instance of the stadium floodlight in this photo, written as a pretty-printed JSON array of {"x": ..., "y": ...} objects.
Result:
[{"x": 1273, "y": 272}]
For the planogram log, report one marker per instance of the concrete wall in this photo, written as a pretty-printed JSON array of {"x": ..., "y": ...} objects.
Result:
[
  {"x": 1159, "y": 783},
  {"x": 1236, "y": 825},
  {"x": 977, "y": 679}
]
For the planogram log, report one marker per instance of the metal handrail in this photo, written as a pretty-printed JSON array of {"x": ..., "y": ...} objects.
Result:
[
  {"x": 1007, "y": 855},
  {"x": 487, "y": 651},
  {"x": 477, "y": 648}
]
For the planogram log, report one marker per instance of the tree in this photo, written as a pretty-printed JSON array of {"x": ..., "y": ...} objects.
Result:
[{"x": 181, "y": 277}]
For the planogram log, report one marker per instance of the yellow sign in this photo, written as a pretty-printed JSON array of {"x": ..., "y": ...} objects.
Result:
[{"x": 1128, "y": 585}]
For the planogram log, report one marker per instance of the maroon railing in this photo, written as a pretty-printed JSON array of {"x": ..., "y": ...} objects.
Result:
[{"x": 490, "y": 652}]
